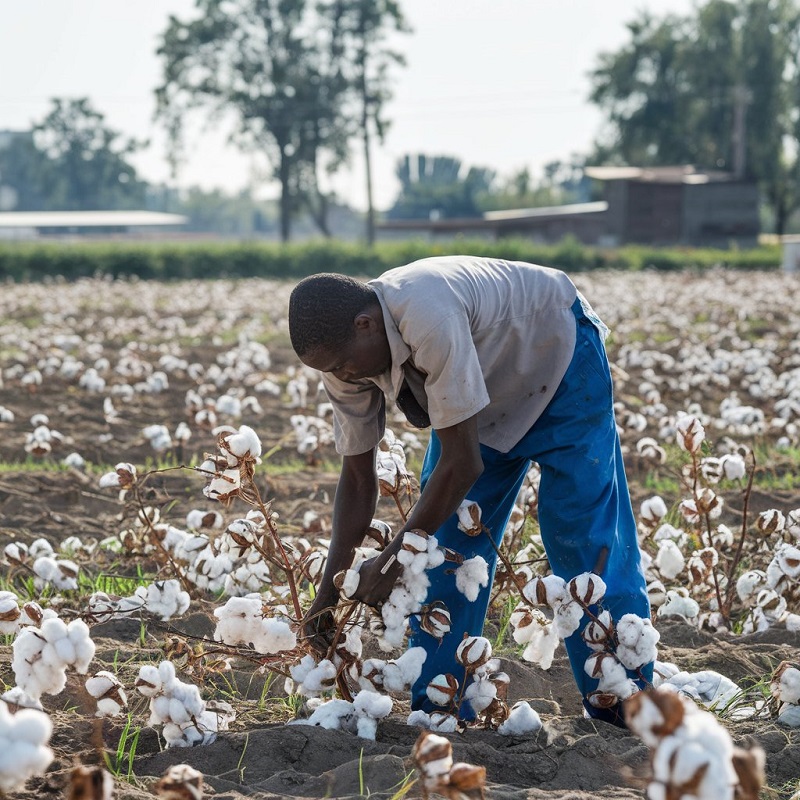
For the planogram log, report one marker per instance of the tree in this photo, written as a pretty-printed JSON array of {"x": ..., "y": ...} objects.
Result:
[
  {"x": 562, "y": 182},
  {"x": 73, "y": 161},
  {"x": 360, "y": 30},
  {"x": 718, "y": 89},
  {"x": 438, "y": 186},
  {"x": 271, "y": 63}
]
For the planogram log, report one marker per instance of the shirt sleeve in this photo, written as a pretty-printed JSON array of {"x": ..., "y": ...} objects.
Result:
[
  {"x": 454, "y": 385},
  {"x": 359, "y": 414}
]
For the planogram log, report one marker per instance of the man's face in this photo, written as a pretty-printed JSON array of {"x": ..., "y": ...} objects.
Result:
[{"x": 366, "y": 355}]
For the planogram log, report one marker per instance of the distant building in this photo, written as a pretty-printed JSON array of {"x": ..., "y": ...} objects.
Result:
[
  {"x": 127, "y": 224},
  {"x": 656, "y": 205}
]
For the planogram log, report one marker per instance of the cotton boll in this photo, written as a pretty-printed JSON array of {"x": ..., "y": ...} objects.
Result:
[
  {"x": 669, "y": 560},
  {"x": 109, "y": 693},
  {"x": 322, "y": 678},
  {"x": 469, "y": 517},
  {"x": 402, "y": 672},
  {"x": 442, "y": 690},
  {"x": 481, "y": 694},
  {"x": 166, "y": 599},
  {"x": 471, "y": 577},
  {"x": 749, "y": 584},
  {"x": 274, "y": 636},
  {"x": 637, "y": 641},
  {"x": 542, "y": 645},
  {"x": 9, "y": 613},
  {"x": 522, "y": 721},
  {"x": 568, "y": 618},
  {"x": 23, "y": 746},
  {"x": 149, "y": 682},
  {"x": 679, "y": 604},
  {"x": 550, "y": 590},
  {"x": 244, "y": 443},
  {"x": 16, "y": 699},
  {"x": 733, "y": 466},
  {"x": 652, "y": 511},
  {"x": 785, "y": 684}
]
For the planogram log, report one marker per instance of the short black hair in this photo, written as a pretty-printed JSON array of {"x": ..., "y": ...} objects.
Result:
[{"x": 322, "y": 308}]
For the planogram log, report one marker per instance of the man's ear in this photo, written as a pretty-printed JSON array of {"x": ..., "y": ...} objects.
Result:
[{"x": 364, "y": 321}]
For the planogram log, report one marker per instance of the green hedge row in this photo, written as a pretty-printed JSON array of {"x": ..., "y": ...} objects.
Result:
[{"x": 33, "y": 261}]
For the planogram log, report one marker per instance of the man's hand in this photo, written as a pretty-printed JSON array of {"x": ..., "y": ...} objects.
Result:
[{"x": 376, "y": 579}]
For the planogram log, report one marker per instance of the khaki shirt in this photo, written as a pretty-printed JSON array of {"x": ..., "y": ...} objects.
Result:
[{"x": 471, "y": 336}]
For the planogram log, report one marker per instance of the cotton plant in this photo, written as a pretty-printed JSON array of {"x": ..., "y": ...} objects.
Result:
[
  {"x": 691, "y": 754},
  {"x": 618, "y": 648},
  {"x": 41, "y": 656},
  {"x": 186, "y": 718},
  {"x": 24, "y": 746}
]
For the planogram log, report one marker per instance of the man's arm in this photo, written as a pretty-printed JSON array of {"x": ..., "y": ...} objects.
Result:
[
  {"x": 353, "y": 510},
  {"x": 459, "y": 466}
]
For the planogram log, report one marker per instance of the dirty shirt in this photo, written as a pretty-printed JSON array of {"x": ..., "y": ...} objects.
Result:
[{"x": 467, "y": 336}]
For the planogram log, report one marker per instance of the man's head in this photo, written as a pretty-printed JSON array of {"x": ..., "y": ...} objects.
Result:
[{"x": 336, "y": 325}]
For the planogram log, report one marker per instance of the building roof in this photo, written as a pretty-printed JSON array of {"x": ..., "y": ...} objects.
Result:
[
  {"x": 492, "y": 220},
  {"x": 88, "y": 219},
  {"x": 546, "y": 211},
  {"x": 686, "y": 173}
]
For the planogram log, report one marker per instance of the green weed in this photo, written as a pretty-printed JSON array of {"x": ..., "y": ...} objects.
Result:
[{"x": 120, "y": 763}]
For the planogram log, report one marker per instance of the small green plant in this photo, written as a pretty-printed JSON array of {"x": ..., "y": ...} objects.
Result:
[
  {"x": 120, "y": 764},
  {"x": 239, "y": 768}
]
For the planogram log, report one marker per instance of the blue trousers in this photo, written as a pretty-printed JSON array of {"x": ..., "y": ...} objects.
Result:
[{"x": 585, "y": 515}]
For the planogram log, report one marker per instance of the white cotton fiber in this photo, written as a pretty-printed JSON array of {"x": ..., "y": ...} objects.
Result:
[{"x": 521, "y": 721}]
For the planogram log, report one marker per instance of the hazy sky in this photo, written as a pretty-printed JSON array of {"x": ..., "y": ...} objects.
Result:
[{"x": 497, "y": 83}]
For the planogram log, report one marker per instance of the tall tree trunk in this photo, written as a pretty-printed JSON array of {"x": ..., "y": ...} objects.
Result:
[
  {"x": 365, "y": 134},
  {"x": 284, "y": 174},
  {"x": 368, "y": 169}
]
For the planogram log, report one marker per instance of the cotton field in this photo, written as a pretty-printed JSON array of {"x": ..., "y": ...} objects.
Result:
[{"x": 165, "y": 503}]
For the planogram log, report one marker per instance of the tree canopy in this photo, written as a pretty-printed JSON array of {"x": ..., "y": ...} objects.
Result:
[
  {"x": 72, "y": 162},
  {"x": 289, "y": 70},
  {"x": 717, "y": 89}
]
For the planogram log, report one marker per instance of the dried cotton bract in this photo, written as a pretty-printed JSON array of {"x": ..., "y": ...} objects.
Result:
[
  {"x": 109, "y": 693},
  {"x": 689, "y": 433},
  {"x": 433, "y": 758},
  {"x": 180, "y": 782}
]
